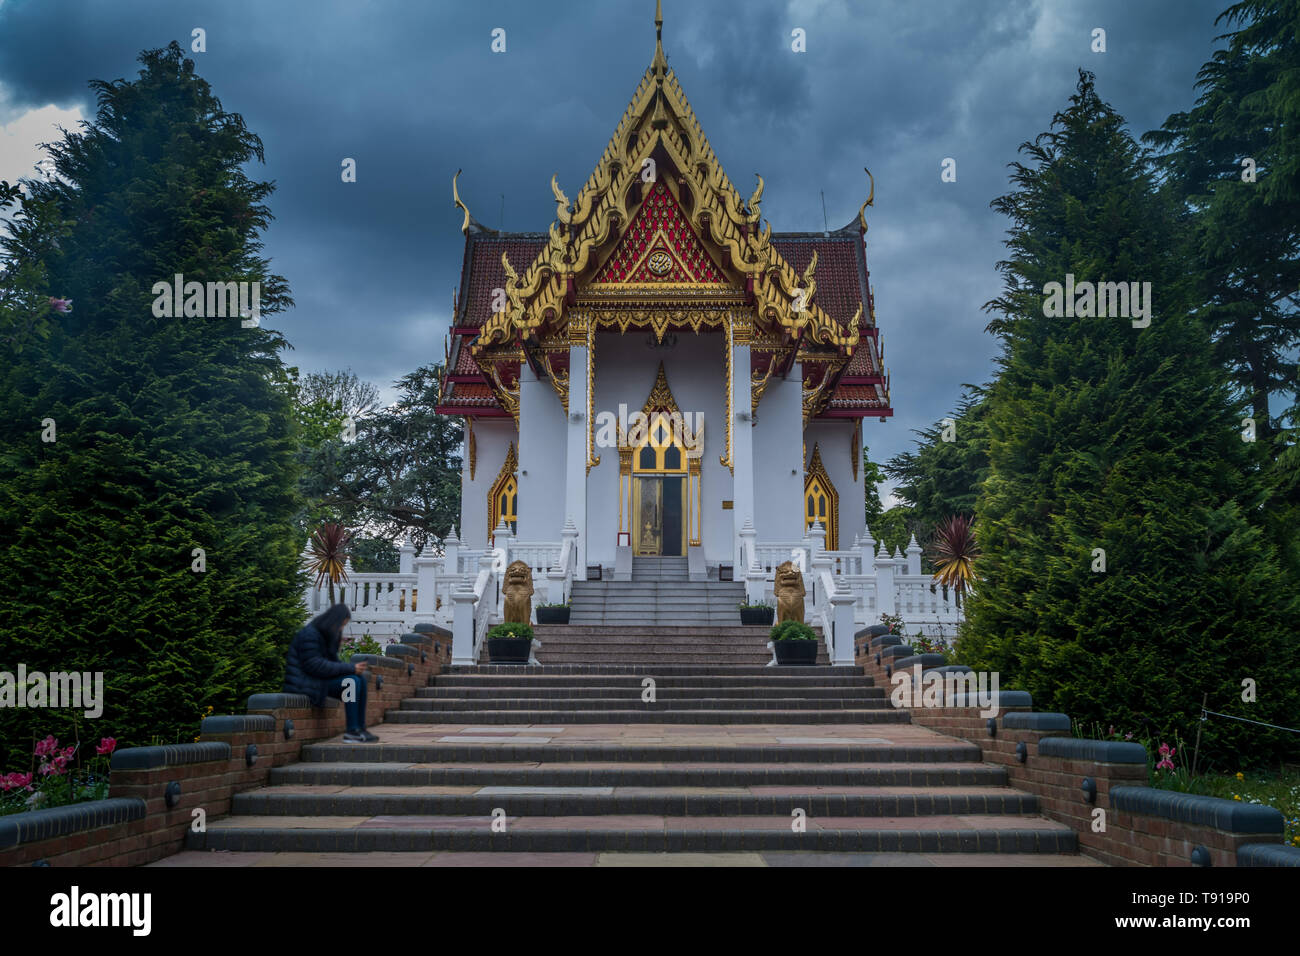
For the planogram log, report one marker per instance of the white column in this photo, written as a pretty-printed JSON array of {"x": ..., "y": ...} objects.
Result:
[
  {"x": 406, "y": 557},
  {"x": 885, "y": 602},
  {"x": 742, "y": 444},
  {"x": 575, "y": 459},
  {"x": 913, "y": 556}
]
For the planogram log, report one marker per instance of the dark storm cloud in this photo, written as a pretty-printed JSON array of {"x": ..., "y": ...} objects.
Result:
[{"x": 413, "y": 92}]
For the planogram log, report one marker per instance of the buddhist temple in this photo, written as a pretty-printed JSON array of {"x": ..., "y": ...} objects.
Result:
[{"x": 658, "y": 369}]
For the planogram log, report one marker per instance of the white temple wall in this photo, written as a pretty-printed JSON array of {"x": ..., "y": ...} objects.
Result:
[
  {"x": 492, "y": 438},
  {"x": 778, "y": 471},
  {"x": 541, "y": 459},
  {"x": 835, "y": 440},
  {"x": 625, "y": 372}
]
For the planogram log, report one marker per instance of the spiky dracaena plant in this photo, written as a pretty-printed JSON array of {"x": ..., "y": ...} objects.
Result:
[
  {"x": 953, "y": 552},
  {"x": 329, "y": 555}
]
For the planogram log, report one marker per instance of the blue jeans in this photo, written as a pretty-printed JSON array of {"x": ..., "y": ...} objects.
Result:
[{"x": 354, "y": 708}]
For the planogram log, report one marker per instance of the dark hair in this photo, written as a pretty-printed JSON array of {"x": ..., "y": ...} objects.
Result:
[{"x": 330, "y": 622}]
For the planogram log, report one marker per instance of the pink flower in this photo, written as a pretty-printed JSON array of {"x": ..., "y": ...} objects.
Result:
[
  {"x": 47, "y": 746},
  {"x": 16, "y": 781},
  {"x": 106, "y": 746},
  {"x": 60, "y": 305},
  {"x": 61, "y": 761},
  {"x": 55, "y": 769},
  {"x": 69, "y": 751}
]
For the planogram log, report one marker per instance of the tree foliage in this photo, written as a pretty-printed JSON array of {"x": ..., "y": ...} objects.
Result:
[
  {"x": 1120, "y": 577},
  {"x": 172, "y": 434}
]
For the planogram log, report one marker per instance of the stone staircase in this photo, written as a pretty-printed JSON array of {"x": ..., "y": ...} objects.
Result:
[
  {"x": 659, "y": 594},
  {"x": 570, "y": 760}
]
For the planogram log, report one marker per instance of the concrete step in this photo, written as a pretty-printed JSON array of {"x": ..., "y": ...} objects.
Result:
[
  {"x": 861, "y": 692},
  {"x": 641, "y": 775},
  {"x": 632, "y": 701},
  {"x": 661, "y": 716},
  {"x": 546, "y": 801},
  {"x": 562, "y": 754},
  {"x": 579, "y": 681},
  {"x": 656, "y": 669},
  {"x": 650, "y": 833}
]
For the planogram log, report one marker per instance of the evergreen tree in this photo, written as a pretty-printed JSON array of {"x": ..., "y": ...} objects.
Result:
[
  {"x": 1234, "y": 160},
  {"x": 1105, "y": 436},
  {"x": 173, "y": 434}
]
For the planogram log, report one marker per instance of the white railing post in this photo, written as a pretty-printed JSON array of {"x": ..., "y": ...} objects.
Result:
[
  {"x": 842, "y": 621},
  {"x": 451, "y": 554},
  {"x": 885, "y": 596},
  {"x": 749, "y": 570},
  {"x": 913, "y": 557},
  {"x": 462, "y": 629},
  {"x": 406, "y": 557},
  {"x": 425, "y": 596},
  {"x": 559, "y": 579}
]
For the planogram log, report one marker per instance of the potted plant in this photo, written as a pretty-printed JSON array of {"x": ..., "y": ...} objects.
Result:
[
  {"x": 795, "y": 644},
  {"x": 553, "y": 613},
  {"x": 509, "y": 643},
  {"x": 756, "y": 614}
]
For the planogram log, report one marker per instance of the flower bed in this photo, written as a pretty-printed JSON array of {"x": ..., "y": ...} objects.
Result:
[{"x": 57, "y": 777}]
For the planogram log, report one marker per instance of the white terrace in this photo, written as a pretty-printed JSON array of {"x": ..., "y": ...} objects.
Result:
[{"x": 459, "y": 588}]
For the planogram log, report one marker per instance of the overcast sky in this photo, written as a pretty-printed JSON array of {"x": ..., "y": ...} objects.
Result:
[{"x": 413, "y": 91}]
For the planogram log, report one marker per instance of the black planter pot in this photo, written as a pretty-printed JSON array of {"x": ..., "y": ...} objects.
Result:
[
  {"x": 552, "y": 615},
  {"x": 757, "y": 615},
  {"x": 796, "y": 653},
  {"x": 509, "y": 650}
]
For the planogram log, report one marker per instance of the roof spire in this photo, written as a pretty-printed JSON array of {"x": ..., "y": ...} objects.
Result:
[{"x": 660, "y": 64}]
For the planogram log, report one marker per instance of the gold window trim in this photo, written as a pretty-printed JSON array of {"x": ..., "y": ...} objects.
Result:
[
  {"x": 816, "y": 476},
  {"x": 504, "y": 481}
]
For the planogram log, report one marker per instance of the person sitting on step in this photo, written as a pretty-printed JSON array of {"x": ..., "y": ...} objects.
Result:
[{"x": 314, "y": 669}]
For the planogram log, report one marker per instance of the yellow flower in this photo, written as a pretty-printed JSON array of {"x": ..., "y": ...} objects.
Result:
[
  {"x": 1236, "y": 797},
  {"x": 1240, "y": 775}
]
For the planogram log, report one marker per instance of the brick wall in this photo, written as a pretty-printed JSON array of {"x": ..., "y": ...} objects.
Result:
[{"x": 135, "y": 825}]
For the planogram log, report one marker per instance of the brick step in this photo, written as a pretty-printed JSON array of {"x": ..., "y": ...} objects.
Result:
[
  {"x": 661, "y": 716},
  {"x": 994, "y": 834},
  {"x": 633, "y": 701},
  {"x": 675, "y": 645},
  {"x": 507, "y": 752},
  {"x": 657, "y": 801},
  {"x": 662, "y": 692},
  {"x": 641, "y": 775},
  {"x": 655, "y": 669},
  {"x": 781, "y": 681},
  {"x": 666, "y": 630}
]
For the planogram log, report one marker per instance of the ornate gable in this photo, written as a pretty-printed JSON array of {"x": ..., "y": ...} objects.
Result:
[
  {"x": 659, "y": 245},
  {"x": 659, "y": 130}
]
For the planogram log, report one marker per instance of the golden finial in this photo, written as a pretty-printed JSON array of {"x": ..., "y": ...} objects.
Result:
[
  {"x": 862, "y": 217},
  {"x": 562, "y": 212},
  {"x": 660, "y": 64},
  {"x": 755, "y": 198},
  {"x": 455, "y": 195}
]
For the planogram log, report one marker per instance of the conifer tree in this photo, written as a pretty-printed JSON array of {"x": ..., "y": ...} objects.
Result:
[
  {"x": 1120, "y": 578},
  {"x": 152, "y": 540}
]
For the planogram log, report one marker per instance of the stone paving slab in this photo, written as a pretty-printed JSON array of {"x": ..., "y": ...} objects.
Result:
[{"x": 226, "y": 858}]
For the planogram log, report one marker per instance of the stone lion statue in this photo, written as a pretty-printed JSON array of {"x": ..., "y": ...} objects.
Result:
[
  {"x": 518, "y": 590},
  {"x": 789, "y": 593}
]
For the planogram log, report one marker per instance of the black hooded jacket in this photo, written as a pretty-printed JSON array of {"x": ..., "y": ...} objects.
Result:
[{"x": 313, "y": 663}]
